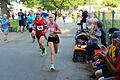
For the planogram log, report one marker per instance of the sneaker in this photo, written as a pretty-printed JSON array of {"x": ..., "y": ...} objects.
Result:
[
  {"x": 52, "y": 67},
  {"x": 5, "y": 39},
  {"x": 43, "y": 52},
  {"x": 57, "y": 51},
  {"x": 1, "y": 31},
  {"x": 33, "y": 40}
]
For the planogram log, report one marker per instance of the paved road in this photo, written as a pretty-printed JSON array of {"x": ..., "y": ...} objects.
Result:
[{"x": 20, "y": 60}]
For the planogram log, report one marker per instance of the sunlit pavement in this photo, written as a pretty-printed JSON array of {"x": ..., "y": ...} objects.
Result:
[{"x": 20, "y": 59}]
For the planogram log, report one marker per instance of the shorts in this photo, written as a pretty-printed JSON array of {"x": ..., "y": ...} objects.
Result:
[
  {"x": 30, "y": 30},
  {"x": 21, "y": 22},
  {"x": 38, "y": 36},
  {"x": 5, "y": 31},
  {"x": 55, "y": 39}
]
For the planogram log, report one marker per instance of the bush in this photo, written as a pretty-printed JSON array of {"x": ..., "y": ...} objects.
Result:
[{"x": 14, "y": 23}]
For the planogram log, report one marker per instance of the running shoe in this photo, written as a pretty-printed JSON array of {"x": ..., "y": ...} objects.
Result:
[
  {"x": 57, "y": 51},
  {"x": 44, "y": 51},
  {"x": 52, "y": 67},
  {"x": 5, "y": 39},
  {"x": 33, "y": 40},
  {"x": 1, "y": 31}
]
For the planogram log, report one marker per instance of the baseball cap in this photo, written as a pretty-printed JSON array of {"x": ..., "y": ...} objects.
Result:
[
  {"x": 115, "y": 34},
  {"x": 118, "y": 39},
  {"x": 112, "y": 30}
]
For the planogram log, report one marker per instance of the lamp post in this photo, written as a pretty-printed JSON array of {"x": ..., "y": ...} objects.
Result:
[{"x": 89, "y": 6}]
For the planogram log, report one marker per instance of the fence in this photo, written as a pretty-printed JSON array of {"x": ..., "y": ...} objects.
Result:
[{"x": 109, "y": 19}]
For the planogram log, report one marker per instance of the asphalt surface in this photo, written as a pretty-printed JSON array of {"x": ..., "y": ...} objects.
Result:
[{"x": 20, "y": 59}]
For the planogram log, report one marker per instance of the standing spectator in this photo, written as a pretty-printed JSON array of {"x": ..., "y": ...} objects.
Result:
[
  {"x": 83, "y": 21},
  {"x": 5, "y": 23},
  {"x": 13, "y": 16},
  {"x": 64, "y": 17},
  {"x": 73, "y": 18},
  {"x": 21, "y": 18},
  {"x": 1, "y": 25},
  {"x": 79, "y": 18},
  {"x": 55, "y": 16},
  {"x": 103, "y": 34}
]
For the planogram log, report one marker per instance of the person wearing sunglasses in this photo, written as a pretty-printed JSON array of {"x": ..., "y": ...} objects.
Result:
[{"x": 40, "y": 27}]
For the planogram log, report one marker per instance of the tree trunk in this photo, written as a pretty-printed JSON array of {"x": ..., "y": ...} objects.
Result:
[{"x": 4, "y": 9}]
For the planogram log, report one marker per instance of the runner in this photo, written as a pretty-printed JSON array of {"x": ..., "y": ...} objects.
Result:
[
  {"x": 41, "y": 25},
  {"x": 30, "y": 19},
  {"x": 53, "y": 38},
  {"x": 4, "y": 23},
  {"x": 43, "y": 13}
]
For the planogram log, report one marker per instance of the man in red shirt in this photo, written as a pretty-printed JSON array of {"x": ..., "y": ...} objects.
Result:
[{"x": 40, "y": 27}]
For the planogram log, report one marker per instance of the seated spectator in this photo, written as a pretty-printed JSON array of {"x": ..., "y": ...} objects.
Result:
[
  {"x": 113, "y": 66},
  {"x": 102, "y": 69},
  {"x": 112, "y": 46},
  {"x": 111, "y": 31}
]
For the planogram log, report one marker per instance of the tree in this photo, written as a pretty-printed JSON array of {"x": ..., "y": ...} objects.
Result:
[
  {"x": 54, "y": 4},
  {"x": 4, "y": 6},
  {"x": 112, "y": 3}
]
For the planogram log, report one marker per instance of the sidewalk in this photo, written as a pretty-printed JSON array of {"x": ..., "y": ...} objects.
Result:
[{"x": 11, "y": 36}]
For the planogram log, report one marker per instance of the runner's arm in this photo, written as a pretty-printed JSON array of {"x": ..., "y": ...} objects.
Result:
[
  {"x": 58, "y": 30},
  {"x": 33, "y": 25},
  {"x": 46, "y": 25}
]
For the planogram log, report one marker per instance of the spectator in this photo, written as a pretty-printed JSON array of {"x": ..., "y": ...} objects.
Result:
[
  {"x": 13, "y": 16},
  {"x": 21, "y": 18},
  {"x": 112, "y": 47},
  {"x": 64, "y": 18},
  {"x": 103, "y": 34},
  {"x": 1, "y": 25},
  {"x": 83, "y": 21},
  {"x": 5, "y": 27},
  {"x": 114, "y": 66}
]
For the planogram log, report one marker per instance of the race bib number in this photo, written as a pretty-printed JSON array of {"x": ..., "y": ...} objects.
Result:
[{"x": 39, "y": 27}]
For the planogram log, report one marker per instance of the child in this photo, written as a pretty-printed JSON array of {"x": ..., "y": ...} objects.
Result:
[{"x": 5, "y": 29}]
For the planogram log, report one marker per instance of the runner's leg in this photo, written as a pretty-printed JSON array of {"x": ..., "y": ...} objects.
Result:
[
  {"x": 51, "y": 47},
  {"x": 5, "y": 34},
  {"x": 33, "y": 35},
  {"x": 56, "y": 47},
  {"x": 41, "y": 41},
  {"x": 21, "y": 29},
  {"x": 18, "y": 28}
]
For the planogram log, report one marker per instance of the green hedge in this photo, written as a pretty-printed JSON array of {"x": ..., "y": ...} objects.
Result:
[{"x": 14, "y": 23}]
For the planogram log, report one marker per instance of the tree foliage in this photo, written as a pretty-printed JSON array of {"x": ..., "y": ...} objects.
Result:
[
  {"x": 112, "y": 3},
  {"x": 54, "y": 4}
]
